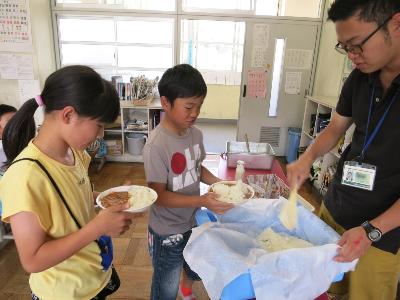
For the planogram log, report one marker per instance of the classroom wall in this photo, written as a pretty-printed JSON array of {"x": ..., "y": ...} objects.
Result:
[
  {"x": 300, "y": 8},
  {"x": 330, "y": 63},
  {"x": 222, "y": 102},
  {"x": 42, "y": 54}
]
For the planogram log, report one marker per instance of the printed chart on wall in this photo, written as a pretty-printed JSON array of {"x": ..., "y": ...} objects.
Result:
[
  {"x": 15, "y": 27},
  {"x": 257, "y": 84},
  {"x": 260, "y": 46}
]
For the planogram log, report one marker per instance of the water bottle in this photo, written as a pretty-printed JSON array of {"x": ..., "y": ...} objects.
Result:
[{"x": 239, "y": 170}]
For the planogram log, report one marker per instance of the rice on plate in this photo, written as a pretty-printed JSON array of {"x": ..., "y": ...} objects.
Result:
[{"x": 232, "y": 191}]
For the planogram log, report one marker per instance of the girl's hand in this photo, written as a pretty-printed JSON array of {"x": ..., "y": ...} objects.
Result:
[
  {"x": 113, "y": 220},
  {"x": 210, "y": 200}
]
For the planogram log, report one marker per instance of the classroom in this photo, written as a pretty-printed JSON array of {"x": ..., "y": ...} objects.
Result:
[{"x": 199, "y": 149}]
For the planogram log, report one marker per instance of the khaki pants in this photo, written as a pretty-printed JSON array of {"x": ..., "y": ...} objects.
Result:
[{"x": 375, "y": 276}]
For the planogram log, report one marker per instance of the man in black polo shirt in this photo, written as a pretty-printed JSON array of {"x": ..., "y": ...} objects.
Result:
[{"x": 365, "y": 207}]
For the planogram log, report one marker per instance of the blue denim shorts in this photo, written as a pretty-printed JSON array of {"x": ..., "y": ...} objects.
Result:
[{"x": 166, "y": 252}]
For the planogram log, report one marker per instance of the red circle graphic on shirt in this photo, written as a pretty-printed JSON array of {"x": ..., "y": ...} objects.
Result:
[{"x": 178, "y": 163}]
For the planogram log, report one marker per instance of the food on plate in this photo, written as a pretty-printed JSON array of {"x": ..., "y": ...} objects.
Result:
[
  {"x": 138, "y": 197},
  {"x": 272, "y": 241},
  {"x": 232, "y": 192},
  {"x": 115, "y": 198}
]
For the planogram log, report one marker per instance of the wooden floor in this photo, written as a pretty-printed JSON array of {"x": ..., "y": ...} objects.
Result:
[{"x": 131, "y": 256}]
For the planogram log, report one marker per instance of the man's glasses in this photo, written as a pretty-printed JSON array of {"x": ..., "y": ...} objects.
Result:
[{"x": 357, "y": 49}]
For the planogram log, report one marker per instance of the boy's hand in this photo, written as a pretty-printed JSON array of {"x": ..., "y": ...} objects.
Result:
[
  {"x": 113, "y": 220},
  {"x": 210, "y": 200}
]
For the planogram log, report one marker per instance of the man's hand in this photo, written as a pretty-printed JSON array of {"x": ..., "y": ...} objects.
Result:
[
  {"x": 210, "y": 200},
  {"x": 298, "y": 171},
  {"x": 354, "y": 243}
]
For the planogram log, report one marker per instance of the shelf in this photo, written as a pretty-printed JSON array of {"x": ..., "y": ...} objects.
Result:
[
  {"x": 125, "y": 158},
  {"x": 155, "y": 104},
  {"x": 308, "y": 135},
  {"x": 136, "y": 131},
  {"x": 325, "y": 101},
  {"x": 113, "y": 130}
]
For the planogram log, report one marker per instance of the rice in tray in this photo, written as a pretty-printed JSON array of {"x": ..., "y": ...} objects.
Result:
[{"x": 272, "y": 241}]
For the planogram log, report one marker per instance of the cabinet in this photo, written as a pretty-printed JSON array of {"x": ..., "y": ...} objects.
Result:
[
  {"x": 133, "y": 119},
  {"x": 317, "y": 113}
]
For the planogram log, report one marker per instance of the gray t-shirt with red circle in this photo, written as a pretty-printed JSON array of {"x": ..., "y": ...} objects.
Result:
[{"x": 176, "y": 161}]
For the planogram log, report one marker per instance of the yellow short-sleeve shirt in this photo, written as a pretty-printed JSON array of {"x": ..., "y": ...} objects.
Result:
[{"x": 25, "y": 187}]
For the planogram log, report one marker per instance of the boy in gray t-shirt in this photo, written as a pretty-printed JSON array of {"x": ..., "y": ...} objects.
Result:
[{"x": 173, "y": 158}]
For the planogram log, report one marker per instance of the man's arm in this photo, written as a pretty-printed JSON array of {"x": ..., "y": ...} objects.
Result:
[{"x": 325, "y": 141}]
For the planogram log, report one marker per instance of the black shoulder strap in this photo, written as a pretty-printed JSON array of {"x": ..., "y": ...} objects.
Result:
[{"x": 54, "y": 184}]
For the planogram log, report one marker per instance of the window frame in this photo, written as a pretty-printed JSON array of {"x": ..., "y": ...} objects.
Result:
[{"x": 177, "y": 16}]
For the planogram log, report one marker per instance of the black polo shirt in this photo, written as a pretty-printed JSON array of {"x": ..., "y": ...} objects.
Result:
[{"x": 350, "y": 206}]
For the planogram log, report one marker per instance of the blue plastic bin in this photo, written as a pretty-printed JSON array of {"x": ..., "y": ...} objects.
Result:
[
  {"x": 241, "y": 287},
  {"x": 293, "y": 144}
]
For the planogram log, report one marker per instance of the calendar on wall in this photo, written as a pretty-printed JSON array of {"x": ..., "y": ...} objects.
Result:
[{"x": 15, "y": 27}]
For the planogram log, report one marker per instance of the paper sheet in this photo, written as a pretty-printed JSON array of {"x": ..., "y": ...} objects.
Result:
[
  {"x": 15, "y": 26},
  {"x": 293, "y": 83},
  {"x": 260, "y": 45},
  {"x": 28, "y": 89},
  {"x": 16, "y": 66},
  {"x": 256, "y": 84},
  {"x": 298, "y": 59}
]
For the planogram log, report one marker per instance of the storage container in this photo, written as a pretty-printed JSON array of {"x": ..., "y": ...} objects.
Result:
[
  {"x": 293, "y": 144},
  {"x": 256, "y": 156}
]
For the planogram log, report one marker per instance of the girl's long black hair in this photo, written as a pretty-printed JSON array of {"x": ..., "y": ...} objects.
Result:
[{"x": 77, "y": 86}]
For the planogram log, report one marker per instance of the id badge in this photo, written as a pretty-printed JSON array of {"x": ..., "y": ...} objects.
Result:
[{"x": 358, "y": 175}]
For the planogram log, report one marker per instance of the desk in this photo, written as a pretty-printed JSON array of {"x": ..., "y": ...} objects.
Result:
[{"x": 226, "y": 173}]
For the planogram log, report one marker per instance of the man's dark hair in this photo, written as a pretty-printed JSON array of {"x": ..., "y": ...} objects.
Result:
[
  {"x": 182, "y": 81},
  {"x": 4, "y": 109},
  {"x": 377, "y": 11}
]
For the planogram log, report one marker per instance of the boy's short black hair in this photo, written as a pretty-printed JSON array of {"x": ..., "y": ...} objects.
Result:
[
  {"x": 4, "y": 109},
  {"x": 377, "y": 11},
  {"x": 182, "y": 81}
]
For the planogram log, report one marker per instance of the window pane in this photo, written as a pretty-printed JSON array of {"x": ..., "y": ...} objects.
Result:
[
  {"x": 213, "y": 45},
  {"x": 216, "y": 31},
  {"x": 87, "y": 54},
  {"x": 145, "y": 57},
  {"x": 276, "y": 77},
  {"x": 148, "y": 32},
  {"x": 268, "y": 8},
  {"x": 126, "y": 74},
  {"x": 86, "y": 30},
  {"x": 209, "y": 5},
  {"x": 162, "y": 5},
  {"x": 214, "y": 57}
]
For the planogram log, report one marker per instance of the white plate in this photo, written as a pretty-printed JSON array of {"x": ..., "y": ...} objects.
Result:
[
  {"x": 249, "y": 195},
  {"x": 127, "y": 188}
]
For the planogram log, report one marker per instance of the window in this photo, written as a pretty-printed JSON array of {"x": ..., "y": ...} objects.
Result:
[
  {"x": 160, "y": 5},
  {"x": 117, "y": 45},
  {"x": 295, "y": 8},
  {"x": 276, "y": 77},
  {"x": 215, "y": 48}
]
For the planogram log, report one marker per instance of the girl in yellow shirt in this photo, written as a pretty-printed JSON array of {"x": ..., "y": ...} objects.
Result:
[{"x": 46, "y": 192}]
